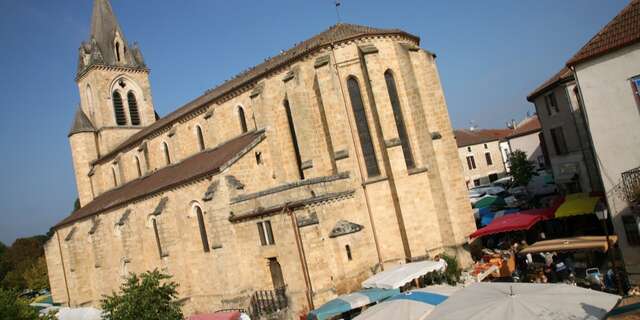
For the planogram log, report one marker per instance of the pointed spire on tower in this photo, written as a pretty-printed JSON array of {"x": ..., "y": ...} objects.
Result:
[{"x": 107, "y": 44}]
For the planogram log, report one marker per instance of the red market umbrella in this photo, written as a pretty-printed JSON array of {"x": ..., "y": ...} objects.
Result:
[{"x": 523, "y": 220}]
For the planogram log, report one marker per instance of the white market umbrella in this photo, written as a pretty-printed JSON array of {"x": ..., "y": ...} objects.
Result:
[
  {"x": 411, "y": 305},
  {"x": 400, "y": 275},
  {"x": 524, "y": 301},
  {"x": 79, "y": 314}
]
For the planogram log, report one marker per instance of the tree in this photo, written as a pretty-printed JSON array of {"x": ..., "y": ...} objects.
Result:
[
  {"x": 14, "y": 308},
  {"x": 522, "y": 169},
  {"x": 145, "y": 297},
  {"x": 17, "y": 259},
  {"x": 36, "y": 276}
]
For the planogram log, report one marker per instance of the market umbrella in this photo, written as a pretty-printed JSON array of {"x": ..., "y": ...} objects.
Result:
[
  {"x": 79, "y": 314},
  {"x": 410, "y": 305},
  {"x": 231, "y": 315},
  {"x": 400, "y": 275},
  {"x": 524, "y": 301},
  {"x": 349, "y": 302},
  {"x": 488, "y": 201},
  {"x": 577, "y": 204}
]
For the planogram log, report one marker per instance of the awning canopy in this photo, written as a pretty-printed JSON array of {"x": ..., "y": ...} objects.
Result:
[
  {"x": 487, "y": 216},
  {"x": 571, "y": 244},
  {"x": 410, "y": 305},
  {"x": 349, "y": 302},
  {"x": 400, "y": 275},
  {"x": 577, "y": 204},
  {"x": 522, "y": 220},
  {"x": 230, "y": 315},
  {"x": 489, "y": 200}
]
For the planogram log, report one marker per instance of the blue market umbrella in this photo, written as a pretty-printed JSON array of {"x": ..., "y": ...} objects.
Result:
[{"x": 350, "y": 301}]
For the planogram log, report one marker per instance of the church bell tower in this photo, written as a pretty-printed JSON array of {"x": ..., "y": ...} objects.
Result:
[{"x": 115, "y": 95}]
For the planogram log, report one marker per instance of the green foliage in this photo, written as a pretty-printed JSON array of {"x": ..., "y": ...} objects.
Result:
[
  {"x": 36, "y": 276},
  {"x": 522, "y": 169},
  {"x": 148, "y": 296},
  {"x": 453, "y": 271},
  {"x": 22, "y": 257},
  {"x": 14, "y": 308}
]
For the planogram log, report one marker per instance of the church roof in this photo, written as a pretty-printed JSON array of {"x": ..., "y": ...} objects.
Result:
[
  {"x": 620, "y": 32},
  {"x": 335, "y": 34},
  {"x": 198, "y": 166},
  {"x": 81, "y": 123}
]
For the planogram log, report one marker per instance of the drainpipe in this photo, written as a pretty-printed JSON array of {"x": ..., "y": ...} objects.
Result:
[
  {"x": 301, "y": 254},
  {"x": 362, "y": 174},
  {"x": 607, "y": 212},
  {"x": 64, "y": 271}
]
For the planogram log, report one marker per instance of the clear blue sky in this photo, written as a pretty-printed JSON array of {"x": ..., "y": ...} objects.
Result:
[{"x": 490, "y": 54}]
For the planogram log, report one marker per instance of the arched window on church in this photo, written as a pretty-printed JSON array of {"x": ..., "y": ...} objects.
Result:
[
  {"x": 243, "y": 119},
  {"x": 118, "y": 109},
  {"x": 167, "y": 156},
  {"x": 203, "y": 229},
  {"x": 134, "y": 115},
  {"x": 115, "y": 176},
  {"x": 397, "y": 114},
  {"x": 89, "y": 94},
  {"x": 294, "y": 139},
  {"x": 366, "y": 144},
  {"x": 138, "y": 166},
  {"x": 200, "y": 137}
]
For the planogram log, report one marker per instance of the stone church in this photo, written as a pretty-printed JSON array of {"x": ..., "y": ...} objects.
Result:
[{"x": 305, "y": 174}]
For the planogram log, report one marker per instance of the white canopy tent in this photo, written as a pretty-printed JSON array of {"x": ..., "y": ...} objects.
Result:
[
  {"x": 79, "y": 314},
  {"x": 400, "y": 275},
  {"x": 524, "y": 301}
]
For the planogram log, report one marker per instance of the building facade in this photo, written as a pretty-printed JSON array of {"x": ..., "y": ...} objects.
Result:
[
  {"x": 526, "y": 137},
  {"x": 607, "y": 71},
  {"x": 565, "y": 134},
  {"x": 304, "y": 174},
  {"x": 481, "y": 153}
]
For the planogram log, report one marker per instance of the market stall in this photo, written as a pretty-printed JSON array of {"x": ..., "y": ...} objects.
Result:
[
  {"x": 410, "y": 305},
  {"x": 398, "y": 276},
  {"x": 350, "y": 303}
]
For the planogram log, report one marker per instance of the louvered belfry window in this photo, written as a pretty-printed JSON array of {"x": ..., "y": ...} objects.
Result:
[
  {"x": 133, "y": 108},
  {"x": 397, "y": 114},
  {"x": 118, "y": 109},
  {"x": 368, "y": 152}
]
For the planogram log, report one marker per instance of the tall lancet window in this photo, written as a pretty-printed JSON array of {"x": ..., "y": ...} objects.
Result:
[
  {"x": 138, "y": 166},
  {"x": 397, "y": 114},
  {"x": 202, "y": 227},
  {"x": 200, "y": 137},
  {"x": 118, "y": 51},
  {"x": 294, "y": 139},
  {"x": 118, "y": 109},
  {"x": 368, "y": 152},
  {"x": 243, "y": 119},
  {"x": 167, "y": 156},
  {"x": 134, "y": 115}
]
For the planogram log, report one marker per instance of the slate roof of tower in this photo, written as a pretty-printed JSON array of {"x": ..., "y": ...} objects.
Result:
[
  {"x": 101, "y": 47},
  {"x": 197, "y": 166},
  {"x": 81, "y": 123},
  {"x": 621, "y": 31},
  {"x": 335, "y": 34}
]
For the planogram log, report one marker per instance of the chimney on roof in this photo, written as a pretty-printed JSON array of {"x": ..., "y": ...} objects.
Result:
[
  {"x": 511, "y": 124},
  {"x": 472, "y": 125}
]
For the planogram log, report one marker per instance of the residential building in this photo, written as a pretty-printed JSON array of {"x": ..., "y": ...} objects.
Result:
[
  {"x": 481, "y": 155},
  {"x": 302, "y": 175},
  {"x": 526, "y": 137},
  {"x": 565, "y": 134},
  {"x": 607, "y": 71}
]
